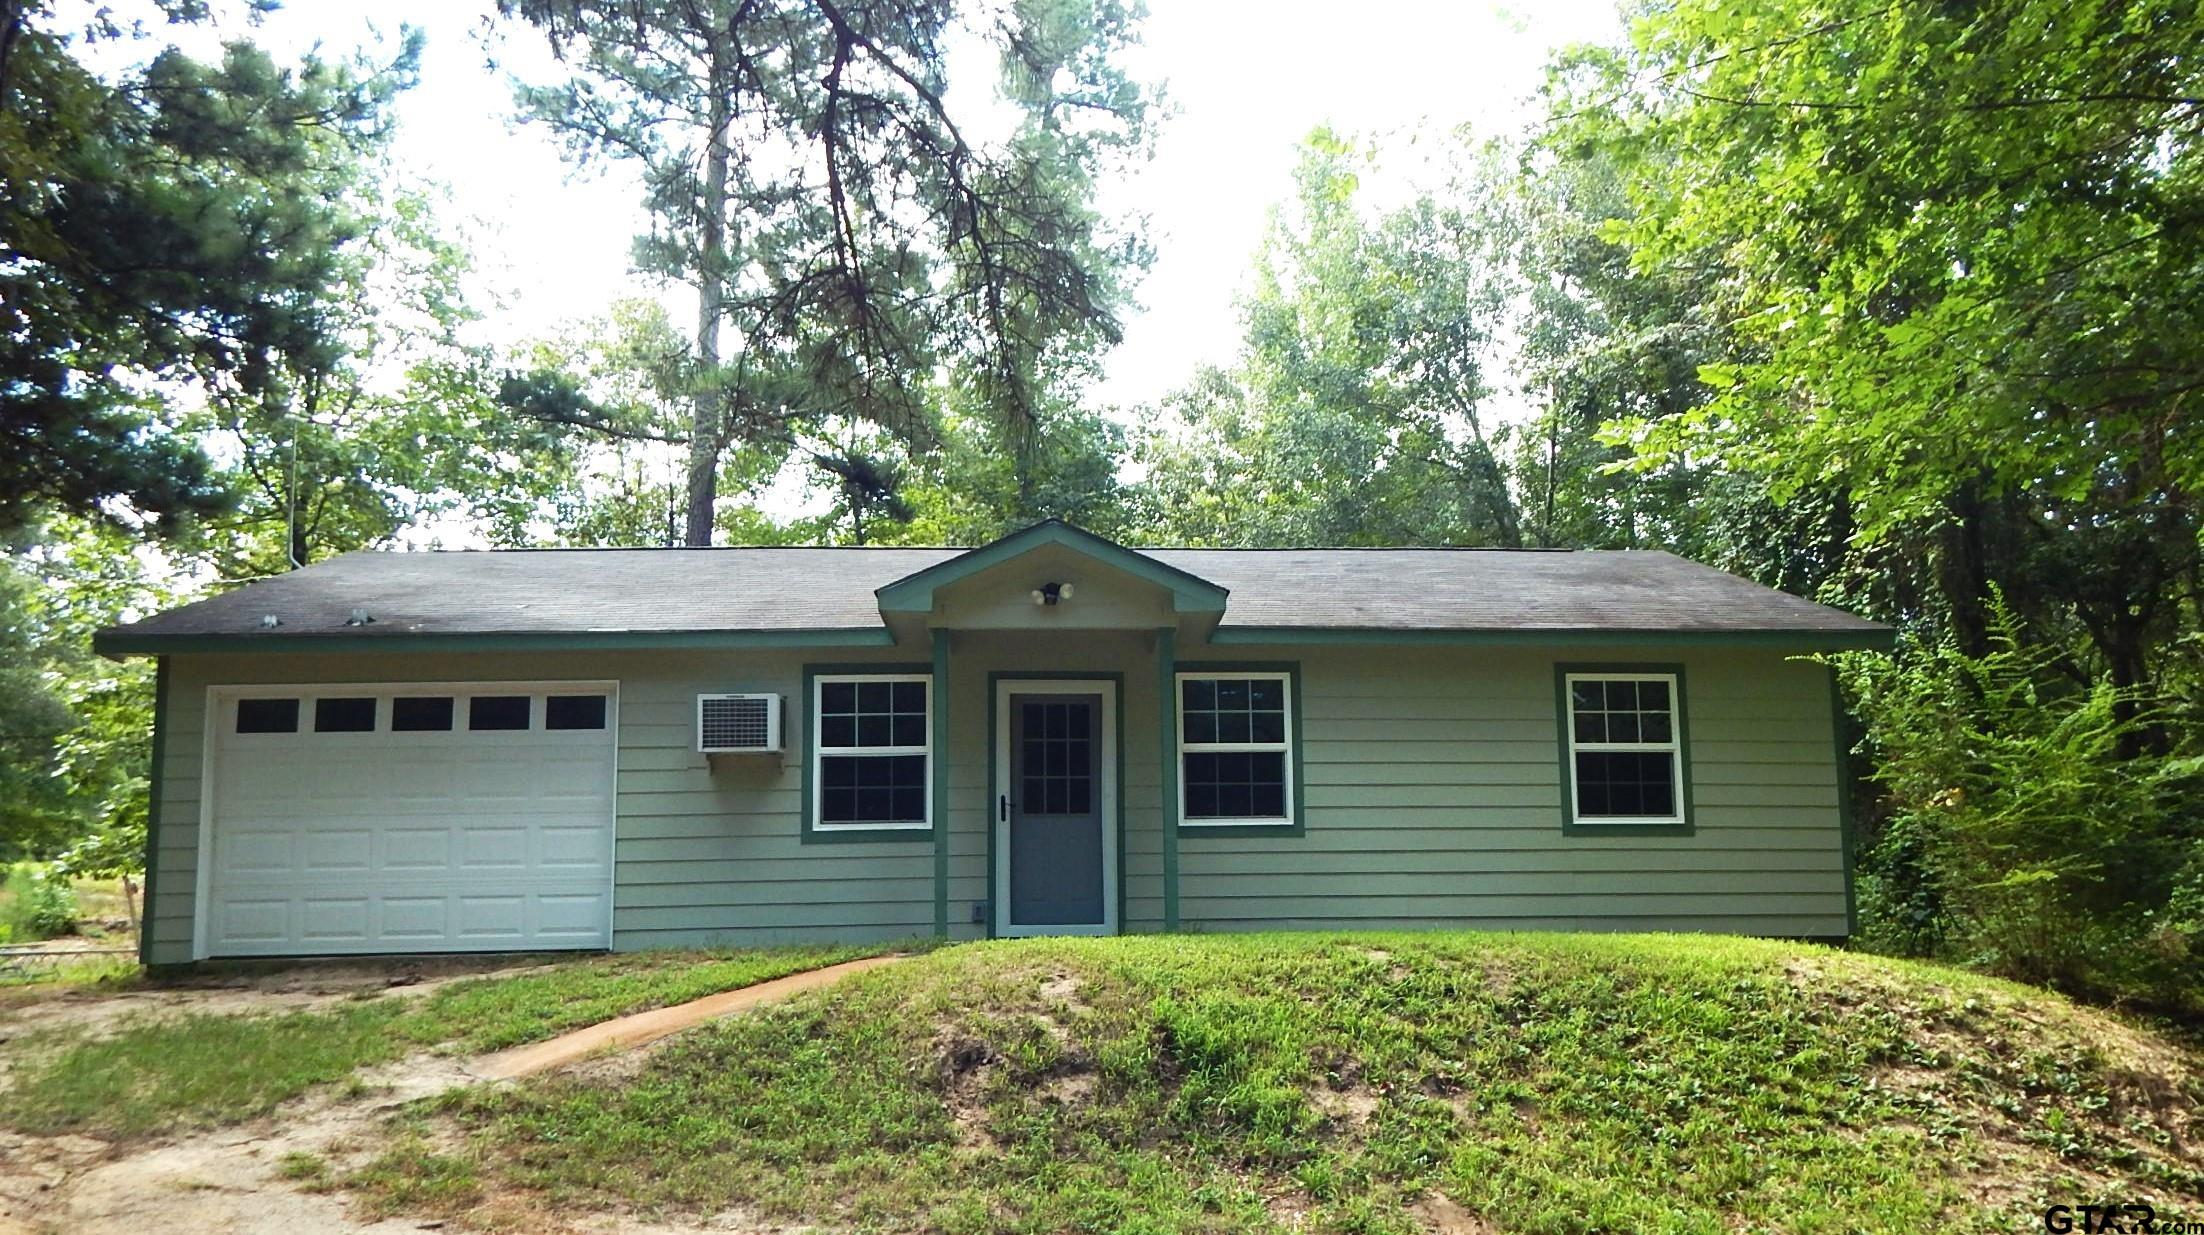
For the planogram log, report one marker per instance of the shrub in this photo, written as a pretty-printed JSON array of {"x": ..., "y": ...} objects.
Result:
[
  {"x": 2020, "y": 833},
  {"x": 36, "y": 906}
]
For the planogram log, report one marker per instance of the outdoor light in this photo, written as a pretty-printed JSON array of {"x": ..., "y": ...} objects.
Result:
[{"x": 1051, "y": 593}]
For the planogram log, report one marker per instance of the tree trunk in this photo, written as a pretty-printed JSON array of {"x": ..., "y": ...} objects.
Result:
[
  {"x": 708, "y": 429},
  {"x": 1963, "y": 571}
]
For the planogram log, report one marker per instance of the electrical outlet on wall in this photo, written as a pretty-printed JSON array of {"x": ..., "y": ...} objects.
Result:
[{"x": 979, "y": 913}]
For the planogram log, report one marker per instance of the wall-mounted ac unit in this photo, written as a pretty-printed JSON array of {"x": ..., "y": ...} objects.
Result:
[{"x": 738, "y": 724}]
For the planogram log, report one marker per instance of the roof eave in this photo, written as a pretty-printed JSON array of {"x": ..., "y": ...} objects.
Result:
[
  {"x": 1876, "y": 638},
  {"x": 122, "y": 642}
]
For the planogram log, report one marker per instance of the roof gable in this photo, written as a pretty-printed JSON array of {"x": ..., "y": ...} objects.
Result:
[{"x": 914, "y": 593}]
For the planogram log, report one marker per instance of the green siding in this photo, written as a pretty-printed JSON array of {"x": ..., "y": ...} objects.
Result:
[
  {"x": 1430, "y": 777},
  {"x": 1434, "y": 798},
  {"x": 704, "y": 854}
]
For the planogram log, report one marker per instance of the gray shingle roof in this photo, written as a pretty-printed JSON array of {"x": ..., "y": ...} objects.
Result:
[{"x": 633, "y": 591}]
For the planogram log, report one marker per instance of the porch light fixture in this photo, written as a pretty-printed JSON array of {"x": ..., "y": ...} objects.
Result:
[{"x": 1051, "y": 593}]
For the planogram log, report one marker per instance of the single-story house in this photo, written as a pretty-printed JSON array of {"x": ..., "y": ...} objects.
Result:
[{"x": 628, "y": 748}]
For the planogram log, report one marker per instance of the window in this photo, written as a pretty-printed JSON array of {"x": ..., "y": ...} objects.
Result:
[
  {"x": 355, "y": 715},
  {"x": 498, "y": 712},
  {"x": 267, "y": 716},
  {"x": 1235, "y": 749},
  {"x": 1625, "y": 761},
  {"x": 574, "y": 712},
  {"x": 871, "y": 749},
  {"x": 421, "y": 714}
]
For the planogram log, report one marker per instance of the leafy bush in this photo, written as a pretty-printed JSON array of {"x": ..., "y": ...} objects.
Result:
[
  {"x": 35, "y": 905},
  {"x": 2021, "y": 832}
]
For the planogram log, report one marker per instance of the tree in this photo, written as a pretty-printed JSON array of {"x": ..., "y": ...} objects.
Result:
[
  {"x": 849, "y": 240},
  {"x": 389, "y": 420},
  {"x": 1959, "y": 247},
  {"x": 165, "y": 229},
  {"x": 1357, "y": 413}
]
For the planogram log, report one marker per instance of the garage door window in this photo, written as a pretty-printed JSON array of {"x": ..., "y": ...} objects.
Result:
[
  {"x": 422, "y": 714},
  {"x": 498, "y": 712},
  {"x": 267, "y": 716},
  {"x": 351, "y": 715},
  {"x": 574, "y": 712}
]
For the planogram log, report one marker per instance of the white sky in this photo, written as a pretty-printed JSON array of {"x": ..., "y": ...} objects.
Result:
[{"x": 1246, "y": 81}]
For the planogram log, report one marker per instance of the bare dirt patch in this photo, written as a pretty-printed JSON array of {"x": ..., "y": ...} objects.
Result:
[
  {"x": 96, "y": 1011},
  {"x": 223, "y": 1181},
  {"x": 1440, "y": 1215}
]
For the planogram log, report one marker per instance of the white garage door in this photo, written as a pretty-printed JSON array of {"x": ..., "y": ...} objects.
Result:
[{"x": 420, "y": 818}]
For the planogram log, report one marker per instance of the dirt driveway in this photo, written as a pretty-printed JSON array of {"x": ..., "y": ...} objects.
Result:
[{"x": 232, "y": 1180}]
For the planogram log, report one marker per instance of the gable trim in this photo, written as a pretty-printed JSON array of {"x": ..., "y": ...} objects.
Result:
[{"x": 914, "y": 593}]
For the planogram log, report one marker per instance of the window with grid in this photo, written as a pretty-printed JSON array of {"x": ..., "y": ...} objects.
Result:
[
  {"x": 871, "y": 741},
  {"x": 1235, "y": 748},
  {"x": 1625, "y": 758}
]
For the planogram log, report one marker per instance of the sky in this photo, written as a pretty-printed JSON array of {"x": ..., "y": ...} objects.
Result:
[{"x": 1245, "y": 81}]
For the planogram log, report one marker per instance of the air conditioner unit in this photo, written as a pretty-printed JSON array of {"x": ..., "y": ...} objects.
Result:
[{"x": 738, "y": 724}]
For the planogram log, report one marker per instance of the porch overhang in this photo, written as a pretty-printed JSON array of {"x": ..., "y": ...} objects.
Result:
[{"x": 915, "y": 594}]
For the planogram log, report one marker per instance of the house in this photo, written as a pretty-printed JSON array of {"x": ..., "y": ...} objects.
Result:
[{"x": 629, "y": 748}]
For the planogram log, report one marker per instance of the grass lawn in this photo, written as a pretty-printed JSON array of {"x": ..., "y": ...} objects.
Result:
[
  {"x": 1365, "y": 1083},
  {"x": 165, "y": 1072}
]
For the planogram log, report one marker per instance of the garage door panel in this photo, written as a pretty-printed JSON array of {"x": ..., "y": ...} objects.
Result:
[
  {"x": 331, "y": 920},
  {"x": 568, "y": 848},
  {"x": 494, "y": 849},
  {"x": 411, "y": 841},
  {"x": 490, "y": 918},
  {"x": 410, "y": 918},
  {"x": 255, "y": 921},
  {"x": 418, "y": 849},
  {"x": 254, "y": 852},
  {"x": 345, "y": 851},
  {"x": 576, "y": 916}
]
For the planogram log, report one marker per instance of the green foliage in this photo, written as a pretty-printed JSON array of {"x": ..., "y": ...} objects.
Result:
[
  {"x": 1356, "y": 414},
  {"x": 35, "y": 904},
  {"x": 79, "y": 740},
  {"x": 1957, "y": 248},
  {"x": 805, "y": 172},
  {"x": 2018, "y": 835},
  {"x": 169, "y": 228}
]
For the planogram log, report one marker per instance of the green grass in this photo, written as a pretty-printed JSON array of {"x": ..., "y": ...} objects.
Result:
[
  {"x": 165, "y": 1072},
  {"x": 1356, "y": 1084}
]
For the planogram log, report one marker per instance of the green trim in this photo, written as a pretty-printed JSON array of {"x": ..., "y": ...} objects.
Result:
[
  {"x": 813, "y": 835},
  {"x": 1167, "y": 722},
  {"x": 115, "y": 643},
  {"x": 154, "y": 776},
  {"x": 1569, "y": 824},
  {"x": 1299, "y": 824},
  {"x": 1847, "y": 825},
  {"x": 914, "y": 593},
  {"x": 1801, "y": 640},
  {"x": 994, "y": 905},
  {"x": 939, "y": 780}
]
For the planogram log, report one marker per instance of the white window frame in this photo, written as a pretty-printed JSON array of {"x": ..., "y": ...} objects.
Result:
[
  {"x": 819, "y": 751},
  {"x": 1285, "y": 748},
  {"x": 1673, "y": 748}
]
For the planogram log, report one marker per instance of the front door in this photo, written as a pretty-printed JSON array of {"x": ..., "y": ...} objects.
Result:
[{"x": 1056, "y": 844}]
